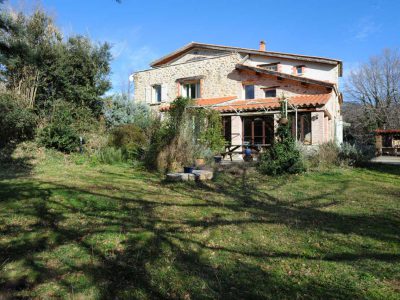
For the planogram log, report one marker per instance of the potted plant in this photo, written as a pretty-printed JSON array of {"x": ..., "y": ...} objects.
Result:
[{"x": 283, "y": 121}]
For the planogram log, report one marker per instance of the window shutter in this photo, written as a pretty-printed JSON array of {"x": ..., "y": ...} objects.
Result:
[
  {"x": 148, "y": 95},
  {"x": 198, "y": 93},
  {"x": 164, "y": 92}
]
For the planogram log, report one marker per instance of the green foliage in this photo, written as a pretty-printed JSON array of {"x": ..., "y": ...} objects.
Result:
[
  {"x": 186, "y": 134},
  {"x": 41, "y": 67},
  {"x": 283, "y": 156},
  {"x": 17, "y": 123},
  {"x": 66, "y": 123},
  {"x": 59, "y": 136},
  {"x": 120, "y": 110},
  {"x": 130, "y": 139},
  {"x": 327, "y": 155},
  {"x": 352, "y": 155},
  {"x": 111, "y": 156},
  {"x": 208, "y": 128}
]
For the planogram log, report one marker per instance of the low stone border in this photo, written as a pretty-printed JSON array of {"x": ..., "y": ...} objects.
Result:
[{"x": 197, "y": 175}]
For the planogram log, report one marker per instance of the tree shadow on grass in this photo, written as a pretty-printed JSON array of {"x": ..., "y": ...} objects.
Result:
[
  {"x": 157, "y": 259},
  {"x": 14, "y": 167},
  {"x": 382, "y": 168}
]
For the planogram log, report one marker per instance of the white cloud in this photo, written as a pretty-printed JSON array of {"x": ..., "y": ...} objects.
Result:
[
  {"x": 140, "y": 58},
  {"x": 365, "y": 28},
  {"x": 128, "y": 60}
]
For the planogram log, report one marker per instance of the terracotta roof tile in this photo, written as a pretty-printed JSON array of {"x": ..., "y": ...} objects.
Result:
[
  {"x": 255, "y": 104},
  {"x": 213, "y": 101},
  {"x": 204, "y": 102},
  {"x": 273, "y": 103}
]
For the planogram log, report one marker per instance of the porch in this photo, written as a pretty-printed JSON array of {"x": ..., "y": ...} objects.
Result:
[{"x": 258, "y": 131}]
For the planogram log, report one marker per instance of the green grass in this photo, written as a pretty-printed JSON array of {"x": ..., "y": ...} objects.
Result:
[{"x": 81, "y": 230}]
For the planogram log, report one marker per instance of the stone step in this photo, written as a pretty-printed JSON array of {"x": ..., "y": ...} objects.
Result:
[{"x": 198, "y": 175}]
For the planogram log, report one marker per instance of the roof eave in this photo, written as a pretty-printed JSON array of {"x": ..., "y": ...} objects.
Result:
[
  {"x": 177, "y": 53},
  {"x": 284, "y": 75}
]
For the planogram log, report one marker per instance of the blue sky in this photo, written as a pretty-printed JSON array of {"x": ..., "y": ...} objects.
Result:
[{"x": 141, "y": 31}]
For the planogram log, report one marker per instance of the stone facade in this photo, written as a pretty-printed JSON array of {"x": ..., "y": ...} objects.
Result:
[
  {"x": 215, "y": 71},
  {"x": 216, "y": 75}
]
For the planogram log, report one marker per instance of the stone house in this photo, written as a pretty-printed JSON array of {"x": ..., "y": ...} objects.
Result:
[{"x": 246, "y": 87}]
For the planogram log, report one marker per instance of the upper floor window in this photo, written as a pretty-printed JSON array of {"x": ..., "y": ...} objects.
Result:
[
  {"x": 249, "y": 91},
  {"x": 270, "y": 93},
  {"x": 191, "y": 89},
  {"x": 157, "y": 90},
  {"x": 300, "y": 70}
]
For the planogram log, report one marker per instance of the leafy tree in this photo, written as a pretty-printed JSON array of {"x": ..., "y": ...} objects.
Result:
[
  {"x": 26, "y": 45},
  {"x": 40, "y": 67},
  {"x": 17, "y": 123}
]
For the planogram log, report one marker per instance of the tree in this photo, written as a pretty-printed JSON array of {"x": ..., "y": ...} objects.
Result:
[
  {"x": 376, "y": 85},
  {"x": 40, "y": 67},
  {"x": 26, "y": 44}
]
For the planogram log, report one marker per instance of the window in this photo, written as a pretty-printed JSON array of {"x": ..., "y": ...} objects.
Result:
[
  {"x": 299, "y": 70},
  {"x": 258, "y": 130},
  {"x": 157, "y": 93},
  {"x": 249, "y": 91},
  {"x": 270, "y": 93},
  {"x": 227, "y": 129},
  {"x": 303, "y": 127},
  {"x": 191, "y": 89}
]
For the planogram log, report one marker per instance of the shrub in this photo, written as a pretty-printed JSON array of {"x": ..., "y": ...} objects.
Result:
[
  {"x": 110, "y": 155},
  {"x": 283, "y": 156},
  {"x": 130, "y": 139},
  {"x": 350, "y": 155},
  {"x": 65, "y": 125},
  {"x": 327, "y": 155},
  {"x": 120, "y": 110},
  {"x": 184, "y": 134},
  {"x": 59, "y": 136},
  {"x": 17, "y": 123}
]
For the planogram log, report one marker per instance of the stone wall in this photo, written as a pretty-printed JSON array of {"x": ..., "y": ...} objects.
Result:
[{"x": 216, "y": 82}]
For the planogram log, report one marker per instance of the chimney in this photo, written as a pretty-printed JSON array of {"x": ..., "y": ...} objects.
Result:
[{"x": 262, "y": 46}]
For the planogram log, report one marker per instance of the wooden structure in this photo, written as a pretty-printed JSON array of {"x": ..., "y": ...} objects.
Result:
[{"x": 387, "y": 142}]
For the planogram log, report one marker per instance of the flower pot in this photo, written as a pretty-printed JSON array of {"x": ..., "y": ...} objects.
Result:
[
  {"x": 199, "y": 162},
  {"x": 283, "y": 121},
  {"x": 188, "y": 170}
]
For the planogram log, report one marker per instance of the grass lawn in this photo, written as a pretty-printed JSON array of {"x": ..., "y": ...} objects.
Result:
[{"x": 72, "y": 229}]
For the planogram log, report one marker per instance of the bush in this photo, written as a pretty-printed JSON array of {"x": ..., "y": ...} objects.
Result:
[
  {"x": 120, "y": 110},
  {"x": 59, "y": 136},
  {"x": 17, "y": 123},
  {"x": 110, "y": 155},
  {"x": 350, "y": 155},
  {"x": 65, "y": 125},
  {"x": 282, "y": 157},
  {"x": 130, "y": 139},
  {"x": 184, "y": 135},
  {"x": 327, "y": 155}
]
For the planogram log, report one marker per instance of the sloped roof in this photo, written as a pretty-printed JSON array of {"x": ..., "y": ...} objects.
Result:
[
  {"x": 284, "y": 75},
  {"x": 231, "y": 104},
  {"x": 203, "y": 102},
  {"x": 175, "y": 54},
  {"x": 273, "y": 103}
]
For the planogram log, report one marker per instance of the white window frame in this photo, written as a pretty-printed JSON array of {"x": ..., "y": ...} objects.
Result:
[
  {"x": 244, "y": 91},
  {"x": 186, "y": 93},
  {"x": 157, "y": 95}
]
